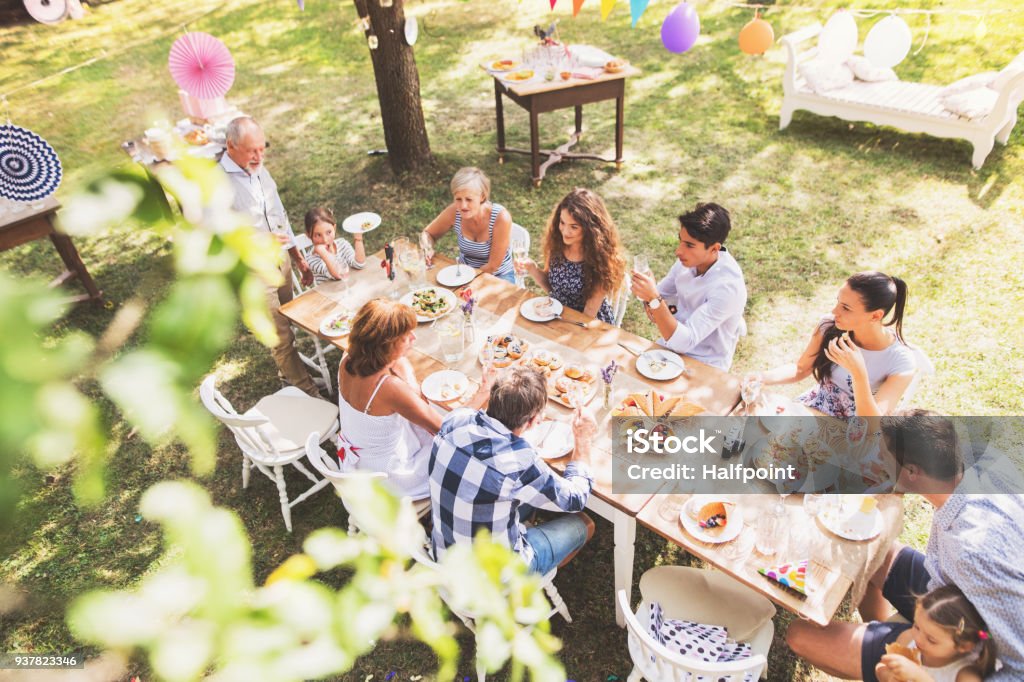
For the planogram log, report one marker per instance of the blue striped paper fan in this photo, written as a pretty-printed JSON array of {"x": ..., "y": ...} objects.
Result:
[{"x": 29, "y": 167}]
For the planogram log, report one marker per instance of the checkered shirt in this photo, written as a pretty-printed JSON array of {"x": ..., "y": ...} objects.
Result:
[
  {"x": 480, "y": 473},
  {"x": 977, "y": 543}
]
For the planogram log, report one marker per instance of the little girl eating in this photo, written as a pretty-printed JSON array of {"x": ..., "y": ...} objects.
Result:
[
  {"x": 331, "y": 257},
  {"x": 948, "y": 642}
]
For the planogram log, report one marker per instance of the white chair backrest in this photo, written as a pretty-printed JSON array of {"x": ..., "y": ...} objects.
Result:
[
  {"x": 660, "y": 664},
  {"x": 621, "y": 301},
  {"x": 249, "y": 432},
  {"x": 304, "y": 243},
  {"x": 925, "y": 368},
  {"x": 519, "y": 233},
  {"x": 329, "y": 467}
]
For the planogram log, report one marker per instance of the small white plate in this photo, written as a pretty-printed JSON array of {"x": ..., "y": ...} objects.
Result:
[
  {"x": 330, "y": 329},
  {"x": 443, "y": 293},
  {"x": 514, "y": 66},
  {"x": 690, "y": 525},
  {"x": 445, "y": 386},
  {"x": 551, "y": 439},
  {"x": 660, "y": 365},
  {"x": 846, "y": 520},
  {"x": 456, "y": 275},
  {"x": 529, "y": 309},
  {"x": 356, "y": 223}
]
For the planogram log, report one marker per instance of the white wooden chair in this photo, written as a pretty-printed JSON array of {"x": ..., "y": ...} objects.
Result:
[
  {"x": 330, "y": 469},
  {"x": 273, "y": 434},
  {"x": 547, "y": 582},
  {"x": 621, "y": 301},
  {"x": 925, "y": 368},
  {"x": 913, "y": 107},
  {"x": 701, "y": 596},
  {"x": 318, "y": 361}
]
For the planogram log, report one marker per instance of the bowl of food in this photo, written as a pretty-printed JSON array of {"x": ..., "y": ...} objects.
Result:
[{"x": 615, "y": 66}]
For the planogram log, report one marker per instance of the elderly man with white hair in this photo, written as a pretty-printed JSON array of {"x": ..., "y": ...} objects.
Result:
[{"x": 256, "y": 196}]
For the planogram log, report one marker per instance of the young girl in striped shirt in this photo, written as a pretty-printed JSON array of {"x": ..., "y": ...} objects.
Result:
[{"x": 331, "y": 256}]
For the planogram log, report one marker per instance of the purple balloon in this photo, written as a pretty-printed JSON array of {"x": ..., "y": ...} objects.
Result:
[{"x": 680, "y": 29}]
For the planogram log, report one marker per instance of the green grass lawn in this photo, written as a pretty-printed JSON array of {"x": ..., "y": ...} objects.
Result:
[{"x": 810, "y": 206}]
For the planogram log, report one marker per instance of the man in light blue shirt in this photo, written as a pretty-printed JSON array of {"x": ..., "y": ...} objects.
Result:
[
  {"x": 705, "y": 288},
  {"x": 975, "y": 543},
  {"x": 256, "y": 196}
]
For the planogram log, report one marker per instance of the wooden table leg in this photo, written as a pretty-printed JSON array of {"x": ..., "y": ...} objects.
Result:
[
  {"x": 579, "y": 121},
  {"x": 499, "y": 116},
  {"x": 73, "y": 262},
  {"x": 619, "y": 127},
  {"x": 535, "y": 146}
]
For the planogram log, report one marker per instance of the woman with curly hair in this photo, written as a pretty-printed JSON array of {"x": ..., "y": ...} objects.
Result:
[{"x": 583, "y": 261}]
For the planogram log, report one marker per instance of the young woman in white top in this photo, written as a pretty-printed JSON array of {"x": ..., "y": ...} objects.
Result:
[
  {"x": 386, "y": 425},
  {"x": 859, "y": 359}
]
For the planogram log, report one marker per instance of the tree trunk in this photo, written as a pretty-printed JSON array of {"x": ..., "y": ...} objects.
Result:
[{"x": 398, "y": 85}]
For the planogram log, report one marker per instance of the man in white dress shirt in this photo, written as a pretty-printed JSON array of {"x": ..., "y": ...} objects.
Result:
[
  {"x": 256, "y": 196},
  {"x": 706, "y": 287}
]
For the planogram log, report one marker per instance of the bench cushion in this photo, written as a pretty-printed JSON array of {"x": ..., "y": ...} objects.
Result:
[{"x": 920, "y": 99}]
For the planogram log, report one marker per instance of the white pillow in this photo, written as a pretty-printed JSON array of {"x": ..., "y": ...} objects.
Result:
[
  {"x": 865, "y": 71},
  {"x": 1007, "y": 74},
  {"x": 972, "y": 104},
  {"x": 978, "y": 80},
  {"x": 824, "y": 76}
]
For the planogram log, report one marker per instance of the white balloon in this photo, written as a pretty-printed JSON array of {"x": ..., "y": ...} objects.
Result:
[
  {"x": 838, "y": 39},
  {"x": 888, "y": 42}
]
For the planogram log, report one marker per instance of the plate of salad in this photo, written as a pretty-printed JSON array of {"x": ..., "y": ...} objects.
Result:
[{"x": 430, "y": 303}]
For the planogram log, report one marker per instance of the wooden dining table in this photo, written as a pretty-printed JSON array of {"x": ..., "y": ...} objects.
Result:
[{"x": 595, "y": 344}]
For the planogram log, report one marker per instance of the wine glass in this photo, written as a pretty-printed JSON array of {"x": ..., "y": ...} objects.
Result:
[
  {"x": 343, "y": 272},
  {"x": 411, "y": 260},
  {"x": 519, "y": 254},
  {"x": 427, "y": 244},
  {"x": 750, "y": 390}
]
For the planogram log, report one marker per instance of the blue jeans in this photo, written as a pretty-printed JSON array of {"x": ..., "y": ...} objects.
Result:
[
  {"x": 906, "y": 580},
  {"x": 509, "y": 276},
  {"x": 554, "y": 540}
]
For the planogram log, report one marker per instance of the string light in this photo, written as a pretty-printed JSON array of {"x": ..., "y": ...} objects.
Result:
[{"x": 871, "y": 11}]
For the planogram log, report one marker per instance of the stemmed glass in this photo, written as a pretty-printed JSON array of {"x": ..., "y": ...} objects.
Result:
[
  {"x": 427, "y": 244},
  {"x": 519, "y": 254}
]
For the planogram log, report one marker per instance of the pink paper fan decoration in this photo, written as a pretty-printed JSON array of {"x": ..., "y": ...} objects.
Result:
[{"x": 201, "y": 65}]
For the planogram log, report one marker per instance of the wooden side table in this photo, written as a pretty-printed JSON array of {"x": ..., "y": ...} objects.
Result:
[
  {"x": 35, "y": 223},
  {"x": 538, "y": 98}
]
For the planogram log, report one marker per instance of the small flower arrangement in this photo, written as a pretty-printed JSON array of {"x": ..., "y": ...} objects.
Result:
[
  {"x": 608, "y": 376},
  {"x": 468, "y": 301}
]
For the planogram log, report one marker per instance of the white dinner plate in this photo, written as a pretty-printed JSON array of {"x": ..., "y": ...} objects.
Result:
[
  {"x": 456, "y": 275},
  {"x": 445, "y": 385},
  {"x": 529, "y": 309},
  {"x": 690, "y": 525},
  {"x": 357, "y": 223},
  {"x": 660, "y": 365},
  {"x": 846, "y": 520},
  {"x": 337, "y": 324},
  {"x": 443, "y": 293},
  {"x": 551, "y": 439}
]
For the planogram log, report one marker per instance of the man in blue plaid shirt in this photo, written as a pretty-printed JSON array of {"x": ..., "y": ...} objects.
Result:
[{"x": 484, "y": 475}]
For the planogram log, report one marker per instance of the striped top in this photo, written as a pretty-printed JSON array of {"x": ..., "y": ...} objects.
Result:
[
  {"x": 476, "y": 254},
  {"x": 318, "y": 267}
]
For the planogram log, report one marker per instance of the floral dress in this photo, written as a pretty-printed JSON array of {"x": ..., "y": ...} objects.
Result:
[
  {"x": 827, "y": 397},
  {"x": 565, "y": 278}
]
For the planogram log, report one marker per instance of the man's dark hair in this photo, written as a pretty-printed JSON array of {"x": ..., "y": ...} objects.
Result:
[
  {"x": 926, "y": 440},
  {"x": 517, "y": 397},
  {"x": 707, "y": 223}
]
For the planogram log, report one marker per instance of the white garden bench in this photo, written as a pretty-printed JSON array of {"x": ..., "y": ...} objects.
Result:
[{"x": 913, "y": 107}]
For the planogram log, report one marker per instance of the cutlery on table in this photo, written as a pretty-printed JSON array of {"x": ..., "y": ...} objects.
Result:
[
  {"x": 634, "y": 352},
  {"x": 578, "y": 324}
]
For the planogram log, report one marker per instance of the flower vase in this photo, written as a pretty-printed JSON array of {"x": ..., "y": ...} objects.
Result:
[
  {"x": 608, "y": 396},
  {"x": 470, "y": 333}
]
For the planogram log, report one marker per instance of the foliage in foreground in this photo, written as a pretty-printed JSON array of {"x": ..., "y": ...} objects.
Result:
[{"x": 200, "y": 612}]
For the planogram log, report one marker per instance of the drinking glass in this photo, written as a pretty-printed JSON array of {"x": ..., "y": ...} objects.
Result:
[
  {"x": 411, "y": 260},
  {"x": 343, "y": 272},
  {"x": 451, "y": 332},
  {"x": 814, "y": 503},
  {"x": 641, "y": 264},
  {"x": 768, "y": 527},
  {"x": 427, "y": 244},
  {"x": 750, "y": 390},
  {"x": 670, "y": 508},
  {"x": 519, "y": 254}
]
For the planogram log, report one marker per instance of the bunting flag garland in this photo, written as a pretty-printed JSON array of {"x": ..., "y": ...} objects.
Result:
[
  {"x": 606, "y": 8},
  {"x": 576, "y": 5},
  {"x": 29, "y": 167},
  {"x": 636, "y": 9}
]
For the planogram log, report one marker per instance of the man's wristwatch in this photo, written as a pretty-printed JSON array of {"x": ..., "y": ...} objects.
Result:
[{"x": 655, "y": 303}]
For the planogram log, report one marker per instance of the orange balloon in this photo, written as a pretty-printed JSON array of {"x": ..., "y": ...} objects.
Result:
[{"x": 757, "y": 36}]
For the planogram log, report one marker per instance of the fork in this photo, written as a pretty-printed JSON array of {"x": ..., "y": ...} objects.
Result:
[{"x": 578, "y": 324}]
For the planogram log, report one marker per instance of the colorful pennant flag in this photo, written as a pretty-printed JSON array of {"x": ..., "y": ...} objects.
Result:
[
  {"x": 606, "y": 8},
  {"x": 636, "y": 9},
  {"x": 576, "y": 5}
]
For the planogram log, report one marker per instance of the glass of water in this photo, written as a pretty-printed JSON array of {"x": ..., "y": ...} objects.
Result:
[
  {"x": 451, "y": 332},
  {"x": 519, "y": 254}
]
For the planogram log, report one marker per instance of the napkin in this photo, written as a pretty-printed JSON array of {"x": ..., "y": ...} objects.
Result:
[
  {"x": 791, "y": 575},
  {"x": 697, "y": 641}
]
